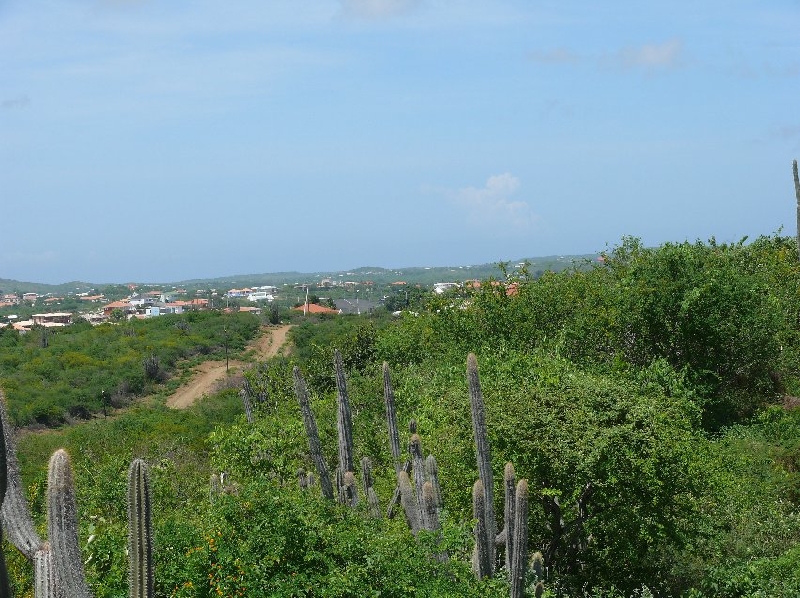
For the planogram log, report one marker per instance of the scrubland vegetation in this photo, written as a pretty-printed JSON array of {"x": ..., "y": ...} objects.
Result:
[{"x": 649, "y": 400}]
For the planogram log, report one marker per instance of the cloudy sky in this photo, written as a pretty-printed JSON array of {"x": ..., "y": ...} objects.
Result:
[{"x": 160, "y": 141}]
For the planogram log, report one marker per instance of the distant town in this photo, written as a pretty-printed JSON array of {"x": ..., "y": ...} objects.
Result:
[{"x": 353, "y": 292}]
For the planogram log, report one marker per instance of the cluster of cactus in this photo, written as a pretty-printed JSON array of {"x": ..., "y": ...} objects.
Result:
[
  {"x": 514, "y": 535},
  {"x": 418, "y": 490},
  {"x": 58, "y": 566}
]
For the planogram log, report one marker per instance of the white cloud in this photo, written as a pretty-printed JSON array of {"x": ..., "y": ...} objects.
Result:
[
  {"x": 377, "y": 9},
  {"x": 492, "y": 205},
  {"x": 653, "y": 56},
  {"x": 556, "y": 56}
]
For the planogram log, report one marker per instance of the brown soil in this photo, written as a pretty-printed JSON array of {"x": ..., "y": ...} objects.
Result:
[{"x": 208, "y": 375}]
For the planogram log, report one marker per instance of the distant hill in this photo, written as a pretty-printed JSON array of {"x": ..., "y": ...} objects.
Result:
[{"x": 424, "y": 275}]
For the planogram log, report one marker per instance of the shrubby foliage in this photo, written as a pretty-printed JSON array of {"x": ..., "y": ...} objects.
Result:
[
  {"x": 80, "y": 364},
  {"x": 646, "y": 398}
]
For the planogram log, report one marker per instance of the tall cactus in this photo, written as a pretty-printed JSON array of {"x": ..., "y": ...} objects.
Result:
[
  {"x": 62, "y": 527},
  {"x": 5, "y": 585},
  {"x": 17, "y": 520},
  {"x": 519, "y": 556},
  {"x": 509, "y": 482},
  {"x": 391, "y": 417},
  {"x": 344, "y": 423},
  {"x": 483, "y": 452},
  {"x": 481, "y": 558},
  {"x": 140, "y": 532},
  {"x": 314, "y": 447}
]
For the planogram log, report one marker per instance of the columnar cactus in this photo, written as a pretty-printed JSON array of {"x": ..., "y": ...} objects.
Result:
[
  {"x": 481, "y": 558},
  {"x": 391, "y": 417},
  {"x": 482, "y": 452},
  {"x": 507, "y": 535},
  {"x": 248, "y": 406},
  {"x": 432, "y": 471},
  {"x": 409, "y": 502},
  {"x": 430, "y": 513},
  {"x": 418, "y": 466},
  {"x": 44, "y": 580},
  {"x": 350, "y": 490},
  {"x": 62, "y": 527},
  {"x": 369, "y": 488},
  {"x": 5, "y": 585},
  {"x": 301, "y": 391},
  {"x": 16, "y": 514},
  {"x": 344, "y": 424},
  {"x": 519, "y": 556},
  {"x": 140, "y": 532}
]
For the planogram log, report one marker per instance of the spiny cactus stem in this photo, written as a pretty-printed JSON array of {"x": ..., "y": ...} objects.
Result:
[
  {"x": 418, "y": 465},
  {"x": 520, "y": 544},
  {"x": 44, "y": 581},
  {"x": 344, "y": 424},
  {"x": 482, "y": 556},
  {"x": 396, "y": 495},
  {"x": 391, "y": 417},
  {"x": 483, "y": 451},
  {"x": 432, "y": 469},
  {"x": 350, "y": 489},
  {"x": 5, "y": 585},
  {"x": 17, "y": 520},
  {"x": 62, "y": 527},
  {"x": 409, "y": 502},
  {"x": 301, "y": 392},
  {"x": 140, "y": 532},
  {"x": 509, "y": 482}
]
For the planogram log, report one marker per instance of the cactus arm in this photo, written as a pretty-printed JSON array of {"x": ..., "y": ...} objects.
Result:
[
  {"x": 140, "y": 532},
  {"x": 301, "y": 391},
  {"x": 17, "y": 520},
  {"x": 344, "y": 424}
]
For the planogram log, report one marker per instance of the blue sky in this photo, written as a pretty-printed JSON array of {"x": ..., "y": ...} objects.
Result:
[{"x": 160, "y": 141}]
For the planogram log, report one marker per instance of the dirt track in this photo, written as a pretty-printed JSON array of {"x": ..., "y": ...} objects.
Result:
[{"x": 209, "y": 373}]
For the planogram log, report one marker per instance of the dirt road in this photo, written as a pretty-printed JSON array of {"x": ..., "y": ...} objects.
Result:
[{"x": 208, "y": 374}]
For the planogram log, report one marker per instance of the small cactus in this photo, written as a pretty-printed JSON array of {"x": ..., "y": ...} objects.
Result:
[{"x": 432, "y": 471}]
